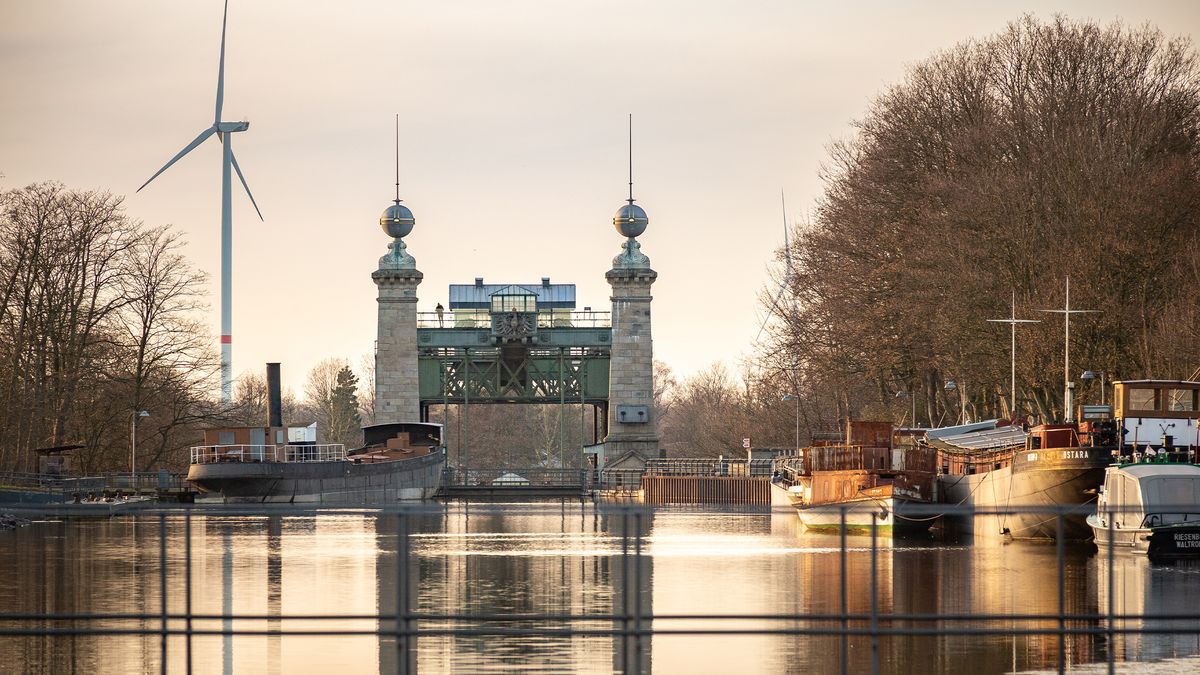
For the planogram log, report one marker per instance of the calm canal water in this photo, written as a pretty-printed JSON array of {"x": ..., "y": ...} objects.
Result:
[{"x": 557, "y": 559}]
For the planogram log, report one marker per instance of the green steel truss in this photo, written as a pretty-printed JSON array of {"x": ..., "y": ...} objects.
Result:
[{"x": 513, "y": 373}]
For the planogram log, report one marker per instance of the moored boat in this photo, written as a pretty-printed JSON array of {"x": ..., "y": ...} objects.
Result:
[
  {"x": 274, "y": 463},
  {"x": 859, "y": 482},
  {"x": 1018, "y": 481},
  {"x": 303, "y": 472},
  {"x": 1010, "y": 482},
  {"x": 1149, "y": 507}
]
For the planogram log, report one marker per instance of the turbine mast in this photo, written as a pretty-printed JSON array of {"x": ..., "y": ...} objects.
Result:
[
  {"x": 226, "y": 268},
  {"x": 229, "y": 165}
]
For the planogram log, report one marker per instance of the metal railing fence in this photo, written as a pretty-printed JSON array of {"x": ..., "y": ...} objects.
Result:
[
  {"x": 630, "y": 624},
  {"x": 709, "y": 467},
  {"x": 545, "y": 319},
  {"x": 518, "y": 477},
  {"x": 142, "y": 481},
  {"x": 216, "y": 454}
]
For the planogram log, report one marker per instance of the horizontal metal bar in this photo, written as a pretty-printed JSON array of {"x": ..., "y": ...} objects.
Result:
[
  {"x": 931, "y": 618},
  {"x": 267, "y": 509},
  {"x": 646, "y": 632}
]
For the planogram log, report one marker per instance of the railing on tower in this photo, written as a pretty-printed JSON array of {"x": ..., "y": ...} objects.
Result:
[
  {"x": 480, "y": 318},
  {"x": 217, "y": 454}
]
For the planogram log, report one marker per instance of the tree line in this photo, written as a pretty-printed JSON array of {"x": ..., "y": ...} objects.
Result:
[
  {"x": 97, "y": 321},
  {"x": 100, "y": 318},
  {"x": 995, "y": 169}
]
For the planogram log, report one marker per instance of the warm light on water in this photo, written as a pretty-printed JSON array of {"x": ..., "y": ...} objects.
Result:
[{"x": 556, "y": 559}]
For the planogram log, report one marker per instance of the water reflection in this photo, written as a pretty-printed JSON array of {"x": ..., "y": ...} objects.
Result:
[
  {"x": 563, "y": 559},
  {"x": 1152, "y": 590}
]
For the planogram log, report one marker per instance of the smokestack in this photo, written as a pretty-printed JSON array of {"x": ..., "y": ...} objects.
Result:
[{"x": 274, "y": 400}]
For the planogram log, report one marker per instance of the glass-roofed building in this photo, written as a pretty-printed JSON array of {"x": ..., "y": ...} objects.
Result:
[{"x": 473, "y": 305}]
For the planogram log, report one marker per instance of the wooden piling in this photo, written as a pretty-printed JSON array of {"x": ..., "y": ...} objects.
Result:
[{"x": 706, "y": 490}]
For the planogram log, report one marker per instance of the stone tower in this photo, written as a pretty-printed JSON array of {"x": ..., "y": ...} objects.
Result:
[
  {"x": 631, "y": 424},
  {"x": 397, "y": 389}
]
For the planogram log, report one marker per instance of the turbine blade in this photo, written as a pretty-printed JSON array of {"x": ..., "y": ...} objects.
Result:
[
  {"x": 787, "y": 247},
  {"x": 221, "y": 67},
  {"x": 771, "y": 310},
  {"x": 199, "y": 139},
  {"x": 238, "y": 169}
]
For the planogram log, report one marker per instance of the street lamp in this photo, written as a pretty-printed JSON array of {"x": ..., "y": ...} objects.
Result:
[
  {"x": 791, "y": 397},
  {"x": 133, "y": 444},
  {"x": 1093, "y": 374},
  {"x": 909, "y": 394},
  {"x": 951, "y": 385}
]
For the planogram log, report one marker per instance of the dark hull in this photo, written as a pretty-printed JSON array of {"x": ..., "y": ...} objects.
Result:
[
  {"x": 1174, "y": 541},
  {"x": 1033, "y": 485},
  {"x": 332, "y": 482}
]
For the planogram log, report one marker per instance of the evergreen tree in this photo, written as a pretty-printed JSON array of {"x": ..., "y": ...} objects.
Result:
[{"x": 345, "y": 421}]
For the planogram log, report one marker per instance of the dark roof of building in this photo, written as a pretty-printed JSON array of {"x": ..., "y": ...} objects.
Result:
[{"x": 479, "y": 295}]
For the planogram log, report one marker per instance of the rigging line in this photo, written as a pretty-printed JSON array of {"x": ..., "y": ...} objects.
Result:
[
  {"x": 1008, "y": 497},
  {"x": 1051, "y": 487},
  {"x": 896, "y": 514},
  {"x": 630, "y": 158},
  {"x": 916, "y": 520},
  {"x": 397, "y": 158},
  {"x": 1046, "y": 520}
]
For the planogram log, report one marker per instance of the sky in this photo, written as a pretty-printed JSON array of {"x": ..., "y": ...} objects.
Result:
[{"x": 513, "y": 147}]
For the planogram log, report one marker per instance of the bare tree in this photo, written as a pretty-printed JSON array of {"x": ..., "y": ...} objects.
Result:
[
  {"x": 366, "y": 389},
  {"x": 96, "y": 322},
  {"x": 331, "y": 394},
  {"x": 1003, "y": 165}
]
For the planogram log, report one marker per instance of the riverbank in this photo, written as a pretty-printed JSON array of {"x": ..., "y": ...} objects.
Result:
[{"x": 10, "y": 522}]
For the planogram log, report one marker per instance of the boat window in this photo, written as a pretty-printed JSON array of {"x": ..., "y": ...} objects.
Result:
[
  {"x": 1143, "y": 399},
  {"x": 1181, "y": 400},
  {"x": 1177, "y": 492},
  {"x": 225, "y": 438},
  {"x": 1130, "y": 503}
]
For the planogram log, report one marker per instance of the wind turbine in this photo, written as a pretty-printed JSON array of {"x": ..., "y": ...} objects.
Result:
[{"x": 223, "y": 131}]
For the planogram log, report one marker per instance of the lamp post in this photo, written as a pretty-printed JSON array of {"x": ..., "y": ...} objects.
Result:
[
  {"x": 951, "y": 385},
  {"x": 796, "y": 398},
  {"x": 133, "y": 444},
  {"x": 1093, "y": 374}
]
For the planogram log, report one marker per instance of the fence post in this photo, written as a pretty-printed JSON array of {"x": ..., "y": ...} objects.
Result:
[
  {"x": 845, "y": 609},
  {"x": 162, "y": 588}
]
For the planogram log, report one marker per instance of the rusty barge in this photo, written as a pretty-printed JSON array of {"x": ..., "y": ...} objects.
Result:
[
  {"x": 859, "y": 481},
  {"x": 273, "y": 463}
]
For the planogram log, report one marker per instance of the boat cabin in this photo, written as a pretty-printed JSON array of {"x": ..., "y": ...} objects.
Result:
[
  {"x": 1159, "y": 414},
  {"x": 978, "y": 447},
  {"x": 1150, "y": 494},
  {"x": 863, "y": 460}
]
